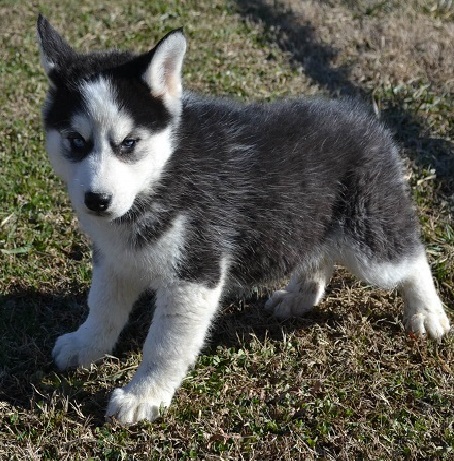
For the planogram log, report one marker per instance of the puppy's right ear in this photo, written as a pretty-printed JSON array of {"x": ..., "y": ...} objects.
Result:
[
  {"x": 55, "y": 51},
  {"x": 163, "y": 70}
]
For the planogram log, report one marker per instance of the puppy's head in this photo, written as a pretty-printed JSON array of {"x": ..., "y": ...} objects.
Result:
[{"x": 109, "y": 119}]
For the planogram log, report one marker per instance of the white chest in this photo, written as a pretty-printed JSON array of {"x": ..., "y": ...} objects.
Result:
[{"x": 154, "y": 263}]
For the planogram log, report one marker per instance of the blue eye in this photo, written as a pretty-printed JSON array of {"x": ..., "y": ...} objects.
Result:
[
  {"x": 77, "y": 142},
  {"x": 129, "y": 143}
]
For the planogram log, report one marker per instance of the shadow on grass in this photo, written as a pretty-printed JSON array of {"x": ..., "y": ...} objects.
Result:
[
  {"x": 241, "y": 320},
  {"x": 298, "y": 36},
  {"x": 30, "y": 322}
]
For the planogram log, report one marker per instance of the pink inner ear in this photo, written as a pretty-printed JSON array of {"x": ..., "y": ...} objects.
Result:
[
  {"x": 163, "y": 74},
  {"x": 172, "y": 81}
]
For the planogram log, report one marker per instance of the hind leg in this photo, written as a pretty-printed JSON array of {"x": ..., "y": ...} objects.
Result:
[
  {"x": 304, "y": 291},
  {"x": 423, "y": 310}
]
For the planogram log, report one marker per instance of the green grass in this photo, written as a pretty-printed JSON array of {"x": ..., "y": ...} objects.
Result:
[{"x": 343, "y": 383}]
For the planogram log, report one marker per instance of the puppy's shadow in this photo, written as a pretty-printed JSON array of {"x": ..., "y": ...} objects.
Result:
[
  {"x": 237, "y": 322},
  {"x": 241, "y": 320},
  {"x": 30, "y": 322}
]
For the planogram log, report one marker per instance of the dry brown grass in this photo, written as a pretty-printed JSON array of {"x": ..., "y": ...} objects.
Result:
[{"x": 383, "y": 42}]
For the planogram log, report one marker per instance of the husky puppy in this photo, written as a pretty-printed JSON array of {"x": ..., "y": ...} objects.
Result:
[{"x": 192, "y": 196}]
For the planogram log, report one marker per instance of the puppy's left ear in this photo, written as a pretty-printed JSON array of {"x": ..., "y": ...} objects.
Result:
[
  {"x": 163, "y": 73},
  {"x": 55, "y": 51}
]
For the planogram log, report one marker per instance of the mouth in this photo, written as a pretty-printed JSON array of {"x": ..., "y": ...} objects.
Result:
[
  {"x": 100, "y": 214},
  {"x": 128, "y": 217},
  {"x": 132, "y": 215},
  {"x": 110, "y": 216}
]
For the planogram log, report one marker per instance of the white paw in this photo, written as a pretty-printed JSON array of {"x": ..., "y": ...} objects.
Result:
[
  {"x": 128, "y": 407},
  {"x": 76, "y": 349},
  {"x": 286, "y": 305},
  {"x": 433, "y": 322}
]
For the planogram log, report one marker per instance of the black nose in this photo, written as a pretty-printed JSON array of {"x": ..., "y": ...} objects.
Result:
[{"x": 97, "y": 202}]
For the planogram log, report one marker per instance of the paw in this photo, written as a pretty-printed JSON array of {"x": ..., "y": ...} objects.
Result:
[
  {"x": 76, "y": 349},
  {"x": 432, "y": 322},
  {"x": 128, "y": 407},
  {"x": 285, "y": 305}
]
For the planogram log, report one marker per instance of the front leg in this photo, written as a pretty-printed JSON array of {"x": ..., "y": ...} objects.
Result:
[
  {"x": 110, "y": 301},
  {"x": 182, "y": 317}
]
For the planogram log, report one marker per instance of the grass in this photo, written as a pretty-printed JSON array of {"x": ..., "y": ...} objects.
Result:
[{"x": 343, "y": 383}]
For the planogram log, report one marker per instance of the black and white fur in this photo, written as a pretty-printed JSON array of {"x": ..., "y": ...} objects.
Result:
[{"x": 191, "y": 196}]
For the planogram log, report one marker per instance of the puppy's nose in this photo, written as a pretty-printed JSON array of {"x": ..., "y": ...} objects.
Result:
[{"x": 97, "y": 201}]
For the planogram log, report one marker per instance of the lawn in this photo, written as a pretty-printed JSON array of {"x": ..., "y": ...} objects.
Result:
[{"x": 343, "y": 383}]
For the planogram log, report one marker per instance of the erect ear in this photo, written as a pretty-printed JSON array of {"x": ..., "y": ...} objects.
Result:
[
  {"x": 163, "y": 73},
  {"x": 54, "y": 50}
]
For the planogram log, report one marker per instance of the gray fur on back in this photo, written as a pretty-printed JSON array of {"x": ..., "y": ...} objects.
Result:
[{"x": 277, "y": 186}]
